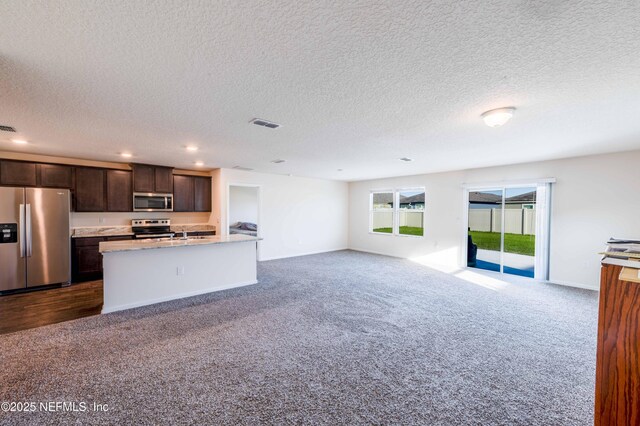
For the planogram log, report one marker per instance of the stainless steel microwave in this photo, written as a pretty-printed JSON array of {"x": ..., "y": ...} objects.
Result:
[{"x": 150, "y": 202}]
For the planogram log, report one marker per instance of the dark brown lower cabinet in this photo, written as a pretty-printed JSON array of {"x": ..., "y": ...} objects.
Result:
[{"x": 86, "y": 260}]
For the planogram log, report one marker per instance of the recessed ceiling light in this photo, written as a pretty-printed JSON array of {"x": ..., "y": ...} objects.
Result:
[
  {"x": 498, "y": 117},
  {"x": 19, "y": 141},
  {"x": 278, "y": 161},
  {"x": 126, "y": 154},
  {"x": 199, "y": 163},
  {"x": 407, "y": 159},
  {"x": 192, "y": 148}
]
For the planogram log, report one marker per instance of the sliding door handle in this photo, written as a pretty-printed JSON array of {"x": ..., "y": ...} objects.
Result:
[
  {"x": 21, "y": 231},
  {"x": 29, "y": 238}
]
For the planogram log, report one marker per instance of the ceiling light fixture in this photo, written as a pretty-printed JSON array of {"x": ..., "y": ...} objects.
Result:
[
  {"x": 19, "y": 141},
  {"x": 199, "y": 163},
  {"x": 497, "y": 117},
  {"x": 126, "y": 154},
  {"x": 407, "y": 159},
  {"x": 192, "y": 148}
]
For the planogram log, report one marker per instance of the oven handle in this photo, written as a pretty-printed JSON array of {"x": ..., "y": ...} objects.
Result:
[{"x": 143, "y": 236}]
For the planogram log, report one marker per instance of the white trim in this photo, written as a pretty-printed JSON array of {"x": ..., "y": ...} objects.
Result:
[
  {"x": 225, "y": 228},
  {"x": 173, "y": 297},
  {"x": 508, "y": 184},
  {"x": 375, "y": 252},
  {"x": 303, "y": 254},
  {"x": 571, "y": 284}
]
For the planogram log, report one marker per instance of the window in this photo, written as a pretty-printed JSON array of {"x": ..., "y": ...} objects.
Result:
[
  {"x": 399, "y": 212},
  {"x": 382, "y": 212},
  {"x": 411, "y": 212}
]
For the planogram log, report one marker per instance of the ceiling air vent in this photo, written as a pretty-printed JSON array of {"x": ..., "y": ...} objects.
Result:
[
  {"x": 264, "y": 123},
  {"x": 7, "y": 129},
  {"x": 246, "y": 169}
]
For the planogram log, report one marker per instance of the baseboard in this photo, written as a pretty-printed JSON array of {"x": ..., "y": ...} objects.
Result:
[
  {"x": 301, "y": 254},
  {"x": 572, "y": 284},
  {"x": 374, "y": 252},
  {"x": 169, "y": 298}
]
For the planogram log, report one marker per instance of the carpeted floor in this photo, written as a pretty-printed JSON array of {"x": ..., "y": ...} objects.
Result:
[{"x": 337, "y": 338}]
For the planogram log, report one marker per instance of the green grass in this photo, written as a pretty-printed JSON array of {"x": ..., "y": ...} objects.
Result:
[
  {"x": 404, "y": 230},
  {"x": 513, "y": 243}
]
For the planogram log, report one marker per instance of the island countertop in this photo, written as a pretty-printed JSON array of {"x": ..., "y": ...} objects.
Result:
[{"x": 147, "y": 244}]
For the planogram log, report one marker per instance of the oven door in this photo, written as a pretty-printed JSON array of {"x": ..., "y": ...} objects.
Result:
[{"x": 145, "y": 202}]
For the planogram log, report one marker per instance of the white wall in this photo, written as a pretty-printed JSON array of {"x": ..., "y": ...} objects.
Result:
[
  {"x": 243, "y": 204},
  {"x": 297, "y": 215},
  {"x": 594, "y": 198}
]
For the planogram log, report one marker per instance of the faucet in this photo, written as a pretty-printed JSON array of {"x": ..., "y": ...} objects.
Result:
[{"x": 184, "y": 235}]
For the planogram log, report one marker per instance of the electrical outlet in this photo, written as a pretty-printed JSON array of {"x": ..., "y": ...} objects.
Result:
[
  {"x": 180, "y": 270},
  {"x": 102, "y": 220}
]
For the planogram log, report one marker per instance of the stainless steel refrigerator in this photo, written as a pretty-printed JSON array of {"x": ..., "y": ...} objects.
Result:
[{"x": 34, "y": 237}]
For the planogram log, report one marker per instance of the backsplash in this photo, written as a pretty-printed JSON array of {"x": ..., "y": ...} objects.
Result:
[{"x": 124, "y": 219}]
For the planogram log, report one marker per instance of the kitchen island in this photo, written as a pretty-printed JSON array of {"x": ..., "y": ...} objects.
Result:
[{"x": 144, "y": 272}]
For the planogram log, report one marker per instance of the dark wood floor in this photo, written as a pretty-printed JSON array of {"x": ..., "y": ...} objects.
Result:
[{"x": 29, "y": 310}]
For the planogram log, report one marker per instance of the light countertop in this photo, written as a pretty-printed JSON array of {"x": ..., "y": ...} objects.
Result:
[
  {"x": 106, "y": 231},
  {"x": 147, "y": 244}
]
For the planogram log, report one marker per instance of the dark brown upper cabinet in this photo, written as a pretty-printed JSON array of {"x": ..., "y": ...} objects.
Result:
[
  {"x": 119, "y": 191},
  {"x": 148, "y": 178},
  {"x": 202, "y": 190},
  {"x": 191, "y": 193},
  {"x": 17, "y": 173},
  {"x": 164, "y": 179},
  {"x": 55, "y": 176},
  {"x": 90, "y": 190},
  {"x": 183, "y": 194}
]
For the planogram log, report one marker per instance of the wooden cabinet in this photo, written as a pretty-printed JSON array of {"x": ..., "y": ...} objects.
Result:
[
  {"x": 202, "y": 193},
  {"x": 90, "y": 190},
  {"x": 191, "y": 193},
  {"x": 618, "y": 353},
  {"x": 163, "y": 179},
  {"x": 86, "y": 260},
  {"x": 148, "y": 178},
  {"x": 183, "y": 194},
  {"x": 55, "y": 176},
  {"x": 17, "y": 173},
  {"x": 119, "y": 191}
]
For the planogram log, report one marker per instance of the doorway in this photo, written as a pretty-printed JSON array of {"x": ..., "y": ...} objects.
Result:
[
  {"x": 243, "y": 210},
  {"x": 508, "y": 229}
]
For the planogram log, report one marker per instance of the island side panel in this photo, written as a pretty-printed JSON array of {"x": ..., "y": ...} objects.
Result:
[{"x": 143, "y": 277}]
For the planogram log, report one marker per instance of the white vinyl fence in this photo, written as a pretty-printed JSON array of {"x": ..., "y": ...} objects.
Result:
[
  {"x": 384, "y": 218},
  {"x": 516, "y": 221}
]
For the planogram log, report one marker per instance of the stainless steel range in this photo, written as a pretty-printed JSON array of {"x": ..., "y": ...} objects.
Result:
[{"x": 152, "y": 228}]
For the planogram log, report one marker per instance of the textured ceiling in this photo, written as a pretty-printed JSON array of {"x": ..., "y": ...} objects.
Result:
[{"x": 356, "y": 85}]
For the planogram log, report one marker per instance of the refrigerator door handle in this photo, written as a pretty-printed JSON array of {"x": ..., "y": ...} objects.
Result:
[
  {"x": 29, "y": 237},
  {"x": 21, "y": 231}
]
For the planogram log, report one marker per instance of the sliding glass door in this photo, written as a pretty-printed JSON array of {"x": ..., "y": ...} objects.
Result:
[{"x": 503, "y": 227}]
